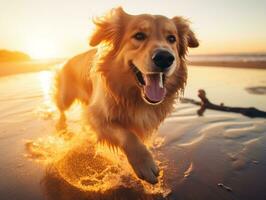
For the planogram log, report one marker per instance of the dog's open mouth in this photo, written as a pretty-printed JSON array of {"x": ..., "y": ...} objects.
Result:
[{"x": 152, "y": 85}]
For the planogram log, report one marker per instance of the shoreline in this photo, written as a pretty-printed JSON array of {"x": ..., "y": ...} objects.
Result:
[
  {"x": 237, "y": 64},
  {"x": 12, "y": 68}
]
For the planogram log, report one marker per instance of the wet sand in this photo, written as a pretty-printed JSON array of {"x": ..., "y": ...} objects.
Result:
[{"x": 217, "y": 156}]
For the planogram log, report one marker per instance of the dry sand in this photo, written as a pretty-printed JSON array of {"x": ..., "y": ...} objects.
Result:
[{"x": 217, "y": 156}]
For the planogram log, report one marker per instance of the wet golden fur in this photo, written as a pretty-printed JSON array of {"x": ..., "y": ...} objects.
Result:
[{"x": 102, "y": 79}]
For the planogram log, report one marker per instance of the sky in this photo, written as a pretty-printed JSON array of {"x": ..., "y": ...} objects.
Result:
[{"x": 60, "y": 28}]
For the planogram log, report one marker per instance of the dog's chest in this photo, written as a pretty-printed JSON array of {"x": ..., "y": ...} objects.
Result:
[{"x": 140, "y": 118}]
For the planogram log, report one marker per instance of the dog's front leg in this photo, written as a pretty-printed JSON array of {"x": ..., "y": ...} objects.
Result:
[
  {"x": 140, "y": 159},
  {"x": 137, "y": 154}
]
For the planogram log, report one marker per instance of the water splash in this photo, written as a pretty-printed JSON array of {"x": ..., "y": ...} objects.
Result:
[{"x": 86, "y": 165}]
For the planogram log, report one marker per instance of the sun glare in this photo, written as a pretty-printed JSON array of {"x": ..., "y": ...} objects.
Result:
[
  {"x": 41, "y": 48},
  {"x": 46, "y": 82}
]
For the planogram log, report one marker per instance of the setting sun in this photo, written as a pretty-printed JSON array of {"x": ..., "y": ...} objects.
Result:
[
  {"x": 41, "y": 48},
  {"x": 63, "y": 31}
]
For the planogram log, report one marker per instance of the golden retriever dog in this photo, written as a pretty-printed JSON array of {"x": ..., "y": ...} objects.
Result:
[{"x": 130, "y": 82}]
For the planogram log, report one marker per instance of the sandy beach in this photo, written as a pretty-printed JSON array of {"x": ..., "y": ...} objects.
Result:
[
  {"x": 9, "y": 68},
  {"x": 251, "y": 64},
  {"x": 212, "y": 146},
  {"x": 217, "y": 156}
]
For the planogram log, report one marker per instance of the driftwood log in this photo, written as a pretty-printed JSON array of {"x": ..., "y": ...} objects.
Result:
[{"x": 206, "y": 104}]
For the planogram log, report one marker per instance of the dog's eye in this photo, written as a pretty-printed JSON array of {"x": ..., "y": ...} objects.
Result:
[
  {"x": 171, "y": 38},
  {"x": 140, "y": 36}
]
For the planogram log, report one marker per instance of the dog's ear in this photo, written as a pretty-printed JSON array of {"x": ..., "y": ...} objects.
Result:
[
  {"x": 186, "y": 36},
  {"x": 108, "y": 28}
]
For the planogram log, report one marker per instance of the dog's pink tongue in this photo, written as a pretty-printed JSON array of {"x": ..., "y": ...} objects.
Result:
[{"x": 154, "y": 89}]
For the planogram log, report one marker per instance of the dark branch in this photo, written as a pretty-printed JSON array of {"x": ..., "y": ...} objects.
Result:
[{"x": 206, "y": 104}]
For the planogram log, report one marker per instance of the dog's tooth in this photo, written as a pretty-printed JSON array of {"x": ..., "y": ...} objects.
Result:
[
  {"x": 161, "y": 80},
  {"x": 147, "y": 80}
]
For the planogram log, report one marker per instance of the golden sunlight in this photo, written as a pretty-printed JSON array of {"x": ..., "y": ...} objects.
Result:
[{"x": 41, "y": 48}]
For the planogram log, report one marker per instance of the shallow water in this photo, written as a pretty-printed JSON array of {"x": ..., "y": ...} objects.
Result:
[
  {"x": 194, "y": 153},
  {"x": 227, "y": 85}
]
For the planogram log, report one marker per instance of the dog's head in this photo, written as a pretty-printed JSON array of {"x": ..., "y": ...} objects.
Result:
[{"x": 151, "y": 46}]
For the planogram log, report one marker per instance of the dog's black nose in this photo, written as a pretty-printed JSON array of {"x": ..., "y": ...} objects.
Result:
[{"x": 163, "y": 59}]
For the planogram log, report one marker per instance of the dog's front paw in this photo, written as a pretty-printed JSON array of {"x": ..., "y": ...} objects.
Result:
[{"x": 143, "y": 164}]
